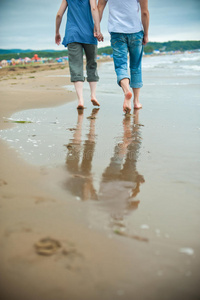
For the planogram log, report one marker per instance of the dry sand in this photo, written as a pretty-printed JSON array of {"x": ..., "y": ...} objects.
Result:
[{"x": 88, "y": 264}]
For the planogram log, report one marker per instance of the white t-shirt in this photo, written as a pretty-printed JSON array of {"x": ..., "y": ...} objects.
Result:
[{"x": 124, "y": 16}]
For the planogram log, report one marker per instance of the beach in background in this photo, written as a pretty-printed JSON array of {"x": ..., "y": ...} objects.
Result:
[{"x": 119, "y": 194}]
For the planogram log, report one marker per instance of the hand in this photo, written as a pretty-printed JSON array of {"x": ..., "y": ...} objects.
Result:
[
  {"x": 99, "y": 36},
  {"x": 57, "y": 38},
  {"x": 145, "y": 39}
]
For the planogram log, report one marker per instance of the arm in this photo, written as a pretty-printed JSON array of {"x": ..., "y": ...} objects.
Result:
[
  {"x": 145, "y": 19},
  {"x": 101, "y": 6},
  {"x": 95, "y": 15},
  {"x": 59, "y": 16}
]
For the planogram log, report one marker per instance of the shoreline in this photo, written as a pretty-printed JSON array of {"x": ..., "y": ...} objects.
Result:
[
  {"x": 30, "y": 89},
  {"x": 22, "y": 185},
  {"x": 28, "y": 205},
  {"x": 95, "y": 260},
  {"x": 27, "y": 92}
]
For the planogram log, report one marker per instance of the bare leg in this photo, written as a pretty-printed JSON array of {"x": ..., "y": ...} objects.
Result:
[
  {"x": 78, "y": 131},
  {"x": 79, "y": 91},
  {"x": 93, "y": 86},
  {"x": 128, "y": 95},
  {"x": 136, "y": 101}
]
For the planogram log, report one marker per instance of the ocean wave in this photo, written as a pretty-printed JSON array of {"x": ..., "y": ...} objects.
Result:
[
  {"x": 194, "y": 58},
  {"x": 189, "y": 61},
  {"x": 167, "y": 83},
  {"x": 189, "y": 67}
]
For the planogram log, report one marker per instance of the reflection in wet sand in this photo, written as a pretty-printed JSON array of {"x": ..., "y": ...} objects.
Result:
[
  {"x": 81, "y": 182},
  {"x": 120, "y": 181}
]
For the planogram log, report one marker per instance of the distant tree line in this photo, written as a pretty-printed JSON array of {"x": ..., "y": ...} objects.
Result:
[
  {"x": 48, "y": 54},
  {"x": 151, "y": 46},
  {"x": 172, "y": 46}
]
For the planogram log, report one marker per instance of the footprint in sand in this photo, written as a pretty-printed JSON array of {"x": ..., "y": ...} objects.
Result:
[{"x": 47, "y": 246}]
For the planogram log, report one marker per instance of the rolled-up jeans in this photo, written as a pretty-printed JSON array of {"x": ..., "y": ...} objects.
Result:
[{"x": 122, "y": 44}]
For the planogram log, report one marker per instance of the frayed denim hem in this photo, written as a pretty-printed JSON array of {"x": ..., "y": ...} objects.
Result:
[{"x": 136, "y": 85}]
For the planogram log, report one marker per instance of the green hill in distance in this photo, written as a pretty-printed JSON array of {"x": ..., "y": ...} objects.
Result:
[
  {"x": 162, "y": 47},
  {"x": 172, "y": 46},
  {"x": 19, "y": 51},
  {"x": 149, "y": 48}
]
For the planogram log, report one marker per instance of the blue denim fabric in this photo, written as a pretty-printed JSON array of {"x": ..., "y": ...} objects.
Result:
[{"x": 122, "y": 44}]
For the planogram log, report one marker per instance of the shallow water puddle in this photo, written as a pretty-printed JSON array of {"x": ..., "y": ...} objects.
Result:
[
  {"x": 123, "y": 164},
  {"x": 98, "y": 148}
]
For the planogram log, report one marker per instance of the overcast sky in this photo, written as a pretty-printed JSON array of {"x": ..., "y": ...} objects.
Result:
[{"x": 30, "y": 24}]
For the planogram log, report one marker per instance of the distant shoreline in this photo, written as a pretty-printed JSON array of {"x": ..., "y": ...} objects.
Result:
[
  {"x": 182, "y": 46},
  {"x": 9, "y": 71}
]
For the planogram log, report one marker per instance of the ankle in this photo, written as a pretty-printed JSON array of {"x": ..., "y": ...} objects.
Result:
[
  {"x": 126, "y": 91},
  {"x": 136, "y": 100},
  {"x": 128, "y": 95},
  {"x": 80, "y": 100}
]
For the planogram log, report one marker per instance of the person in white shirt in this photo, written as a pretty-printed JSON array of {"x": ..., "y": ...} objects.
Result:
[{"x": 129, "y": 34}]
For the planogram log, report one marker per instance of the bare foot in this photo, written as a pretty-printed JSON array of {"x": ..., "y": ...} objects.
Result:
[
  {"x": 95, "y": 102},
  {"x": 95, "y": 111},
  {"x": 137, "y": 105},
  {"x": 80, "y": 106},
  {"x": 80, "y": 111},
  {"x": 127, "y": 103}
]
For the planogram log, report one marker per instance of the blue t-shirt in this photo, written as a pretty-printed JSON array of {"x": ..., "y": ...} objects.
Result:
[{"x": 80, "y": 25}]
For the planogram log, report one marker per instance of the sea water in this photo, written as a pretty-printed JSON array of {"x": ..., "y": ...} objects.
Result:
[{"x": 118, "y": 159}]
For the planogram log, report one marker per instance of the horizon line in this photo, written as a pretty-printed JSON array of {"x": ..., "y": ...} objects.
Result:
[{"x": 51, "y": 49}]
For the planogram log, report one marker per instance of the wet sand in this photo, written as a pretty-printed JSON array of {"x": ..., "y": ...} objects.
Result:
[{"x": 123, "y": 206}]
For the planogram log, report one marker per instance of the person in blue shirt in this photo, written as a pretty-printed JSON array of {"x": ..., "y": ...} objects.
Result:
[{"x": 82, "y": 32}]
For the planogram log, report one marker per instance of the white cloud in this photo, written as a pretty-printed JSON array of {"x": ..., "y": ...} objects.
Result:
[{"x": 31, "y": 24}]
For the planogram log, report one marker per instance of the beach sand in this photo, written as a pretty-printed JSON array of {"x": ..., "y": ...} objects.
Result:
[{"x": 90, "y": 262}]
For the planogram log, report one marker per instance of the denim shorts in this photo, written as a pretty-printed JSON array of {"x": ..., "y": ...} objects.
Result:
[{"x": 122, "y": 44}]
